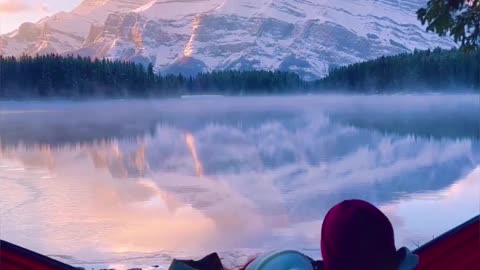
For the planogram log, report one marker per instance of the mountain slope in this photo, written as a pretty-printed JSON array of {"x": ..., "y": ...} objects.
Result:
[
  {"x": 304, "y": 36},
  {"x": 65, "y": 31}
]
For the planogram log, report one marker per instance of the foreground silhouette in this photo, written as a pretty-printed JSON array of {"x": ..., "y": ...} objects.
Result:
[{"x": 355, "y": 235}]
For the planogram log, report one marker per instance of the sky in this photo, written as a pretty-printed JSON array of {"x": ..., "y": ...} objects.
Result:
[{"x": 15, "y": 12}]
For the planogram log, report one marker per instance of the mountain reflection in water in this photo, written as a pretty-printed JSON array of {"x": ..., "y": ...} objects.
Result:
[{"x": 135, "y": 195}]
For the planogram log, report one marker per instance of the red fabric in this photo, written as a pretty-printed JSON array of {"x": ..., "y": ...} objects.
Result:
[
  {"x": 16, "y": 258},
  {"x": 458, "y": 249},
  {"x": 359, "y": 231}
]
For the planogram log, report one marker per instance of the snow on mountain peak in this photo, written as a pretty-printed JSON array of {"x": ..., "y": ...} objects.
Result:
[
  {"x": 176, "y": 9},
  {"x": 305, "y": 36}
]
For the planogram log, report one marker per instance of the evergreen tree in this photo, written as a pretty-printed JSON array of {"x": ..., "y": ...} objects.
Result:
[
  {"x": 57, "y": 76},
  {"x": 438, "y": 70}
]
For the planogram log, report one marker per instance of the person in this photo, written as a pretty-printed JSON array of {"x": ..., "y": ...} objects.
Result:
[{"x": 355, "y": 235}]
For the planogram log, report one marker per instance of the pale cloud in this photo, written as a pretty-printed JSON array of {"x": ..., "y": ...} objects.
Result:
[
  {"x": 13, "y": 6},
  {"x": 44, "y": 8},
  {"x": 16, "y": 6}
]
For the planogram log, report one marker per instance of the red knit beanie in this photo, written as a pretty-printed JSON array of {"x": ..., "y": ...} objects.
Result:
[{"x": 357, "y": 235}]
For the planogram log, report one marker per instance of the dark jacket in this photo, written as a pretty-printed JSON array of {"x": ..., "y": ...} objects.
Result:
[{"x": 210, "y": 262}]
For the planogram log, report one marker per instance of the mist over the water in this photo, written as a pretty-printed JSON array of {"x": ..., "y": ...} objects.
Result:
[
  {"x": 441, "y": 116},
  {"x": 251, "y": 173}
]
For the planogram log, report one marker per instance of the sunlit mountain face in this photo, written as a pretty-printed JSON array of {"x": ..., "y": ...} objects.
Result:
[
  {"x": 234, "y": 175},
  {"x": 306, "y": 37}
]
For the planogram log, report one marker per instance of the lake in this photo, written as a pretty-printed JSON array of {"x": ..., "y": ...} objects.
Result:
[{"x": 124, "y": 184}]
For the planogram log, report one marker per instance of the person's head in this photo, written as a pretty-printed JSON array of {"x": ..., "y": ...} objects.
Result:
[{"x": 357, "y": 235}]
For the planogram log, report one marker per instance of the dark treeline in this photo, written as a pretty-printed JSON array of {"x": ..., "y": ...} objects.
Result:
[
  {"x": 435, "y": 70},
  {"x": 81, "y": 77},
  {"x": 59, "y": 76}
]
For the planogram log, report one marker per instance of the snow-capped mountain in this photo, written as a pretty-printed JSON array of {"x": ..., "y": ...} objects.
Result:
[{"x": 305, "y": 36}]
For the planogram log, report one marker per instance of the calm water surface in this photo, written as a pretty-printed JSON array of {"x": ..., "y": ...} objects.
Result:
[{"x": 135, "y": 183}]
